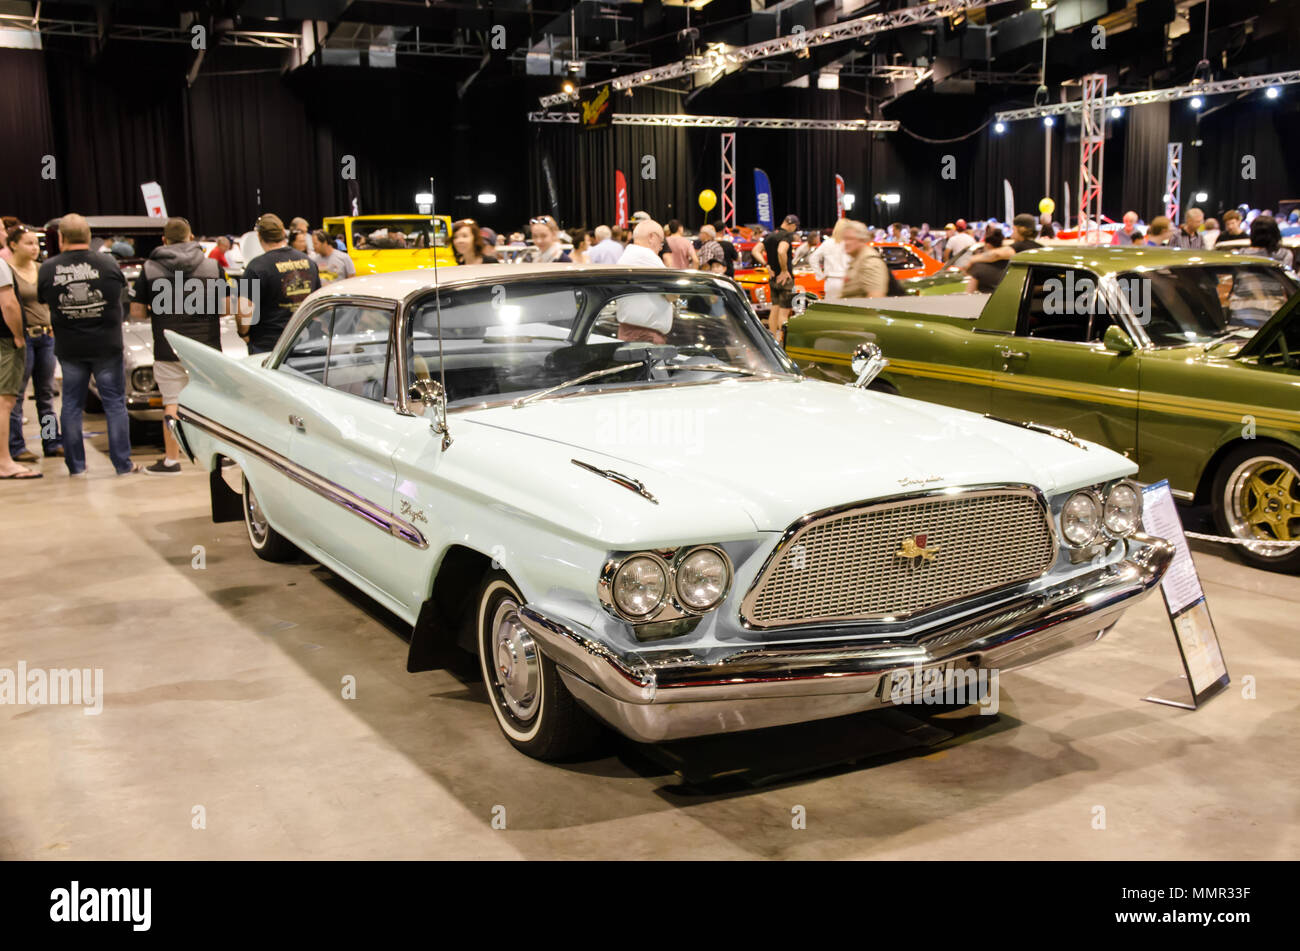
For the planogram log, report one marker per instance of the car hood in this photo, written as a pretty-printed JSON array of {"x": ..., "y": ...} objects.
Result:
[{"x": 775, "y": 450}]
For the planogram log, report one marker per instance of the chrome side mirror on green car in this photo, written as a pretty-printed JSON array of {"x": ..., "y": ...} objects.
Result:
[{"x": 1117, "y": 340}]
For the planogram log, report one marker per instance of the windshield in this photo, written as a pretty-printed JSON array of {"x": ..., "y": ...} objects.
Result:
[
  {"x": 374, "y": 234},
  {"x": 1189, "y": 305},
  {"x": 505, "y": 341}
]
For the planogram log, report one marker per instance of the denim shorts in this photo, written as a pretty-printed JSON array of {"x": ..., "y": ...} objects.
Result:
[{"x": 12, "y": 363}]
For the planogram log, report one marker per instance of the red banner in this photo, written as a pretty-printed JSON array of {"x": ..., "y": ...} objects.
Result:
[
  {"x": 839, "y": 196},
  {"x": 620, "y": 200}
]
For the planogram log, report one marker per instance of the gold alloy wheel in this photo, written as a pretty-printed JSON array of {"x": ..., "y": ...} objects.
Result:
[{"x": 1262, "y": 500}]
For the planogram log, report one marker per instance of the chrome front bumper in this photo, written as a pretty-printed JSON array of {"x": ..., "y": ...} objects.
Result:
[{"x": 672, "y": 692}]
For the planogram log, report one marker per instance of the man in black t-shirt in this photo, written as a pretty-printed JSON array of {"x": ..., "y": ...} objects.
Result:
[
  {"x": 84, "y": 290},
  {"x": 183, "y": 290},
  {"x": 280, "y": 279},
  {"x": 778, "y": 251}
]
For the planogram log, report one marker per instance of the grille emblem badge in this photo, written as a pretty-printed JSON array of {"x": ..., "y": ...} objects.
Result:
[{"x": 915, "y": 549}]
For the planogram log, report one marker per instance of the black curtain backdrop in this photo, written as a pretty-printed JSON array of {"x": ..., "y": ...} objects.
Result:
[{"x": 247, "y": 138}]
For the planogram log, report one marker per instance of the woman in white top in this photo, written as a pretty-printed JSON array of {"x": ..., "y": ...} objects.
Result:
[{"x": 830, "y": 262}]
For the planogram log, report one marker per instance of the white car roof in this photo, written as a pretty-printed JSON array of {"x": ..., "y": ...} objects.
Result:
[{"x": 397, "y": 285}]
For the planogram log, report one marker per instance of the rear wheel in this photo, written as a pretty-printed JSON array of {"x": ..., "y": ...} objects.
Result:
[
  {"x": 535, "y": 711},
  {"x": 1257, "y": 496},
  {"x": 268, "y": 544}
]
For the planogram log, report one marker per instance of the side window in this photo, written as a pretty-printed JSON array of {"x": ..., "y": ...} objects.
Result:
[
  {"x": 307, "y": 355},
  {"x": 358, "y": 354},
  {"x": 1061, "y": 303}
]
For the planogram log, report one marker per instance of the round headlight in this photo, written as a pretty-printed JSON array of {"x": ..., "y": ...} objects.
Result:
[
  {"x": 142, "y": 379},
  {"x": 640, "y": 586},
  {"x": 1081, "y": 519},
  {"x": 702, "y": 579},
  {"x": 1122, "y": 510}
]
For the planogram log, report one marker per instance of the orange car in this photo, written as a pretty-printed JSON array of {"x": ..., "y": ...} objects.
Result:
[{"x": 903, "y": 260}]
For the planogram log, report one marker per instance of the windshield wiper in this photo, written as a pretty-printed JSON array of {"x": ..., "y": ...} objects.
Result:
[
  {"x": 593, "y": 375},
  {"x": 610, "y": 371}
]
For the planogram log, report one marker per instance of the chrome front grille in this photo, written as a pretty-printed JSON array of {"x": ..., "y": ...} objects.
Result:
[{"x": 902, "y": 557}]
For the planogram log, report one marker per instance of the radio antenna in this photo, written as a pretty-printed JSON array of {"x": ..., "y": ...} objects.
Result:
[{"x": 441, "y": 427}]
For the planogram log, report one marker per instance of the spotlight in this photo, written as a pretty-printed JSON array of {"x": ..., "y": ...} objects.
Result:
[
  {"x": 1049, "y": 121},
  {"x": 568, "y": 88},
  {"x": 1201, "y": 196},
  {"x": 1197, "y": 102},
  {"x": 1000, "y": 127},
  {"x": 1272, "y": 92},
  {"x": 487, "y": 198},
  {"x": 1116, "y": 112}
]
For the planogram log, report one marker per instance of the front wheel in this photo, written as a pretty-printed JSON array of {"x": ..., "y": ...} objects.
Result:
[
  {"x": 268, "y": 544},
  {"x": 1257, "y": 496},
  {"x": 534, "y": 709}
]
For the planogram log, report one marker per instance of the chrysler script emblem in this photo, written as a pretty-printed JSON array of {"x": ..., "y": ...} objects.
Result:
[{"x": 915, "y": 549}]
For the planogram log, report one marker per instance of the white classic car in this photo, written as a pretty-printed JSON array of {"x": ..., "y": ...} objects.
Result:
[{"x": 614, "y": 488}]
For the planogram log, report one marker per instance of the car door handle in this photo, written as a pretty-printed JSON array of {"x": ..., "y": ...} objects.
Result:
[
  {"x": 1008, "y": 354},
  {"x": 297, "y": 423}
]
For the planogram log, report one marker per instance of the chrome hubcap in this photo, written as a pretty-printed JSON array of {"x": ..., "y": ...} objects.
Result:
[
  {"x": 1263, "y": 502},
  {"x": 518, "y": 666},
  {"x": 256, "y": 520}
]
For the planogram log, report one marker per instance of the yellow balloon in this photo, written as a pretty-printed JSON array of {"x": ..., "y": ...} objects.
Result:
[
  {"x": 708, "y": 199},
  {"x": 1047, "y": 206}
]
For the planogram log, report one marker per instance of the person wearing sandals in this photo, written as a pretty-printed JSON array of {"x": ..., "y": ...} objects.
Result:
[
  {"x": 13, "y": 361},
  {"x": 41, "y": 366}
]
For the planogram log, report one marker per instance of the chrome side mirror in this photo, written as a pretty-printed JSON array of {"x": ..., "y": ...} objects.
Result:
[
  {"x": 430, "y": 393},
  {"x": 867, "y": 363}
]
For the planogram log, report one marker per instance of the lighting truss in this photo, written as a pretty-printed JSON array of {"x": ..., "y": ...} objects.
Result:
[
  {"x": 727, "y": 122},
  {"x": 1244, "y": 84},
  {"x": 1092, "y": 142},
  {"x": 1173, "y": 181},
  {"x": 718, "y": 59},
  {"x": 729, "y": 179},
  {"x": 89, "y": 29}
]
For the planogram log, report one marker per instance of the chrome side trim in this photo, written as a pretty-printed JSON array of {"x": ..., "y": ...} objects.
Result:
[
  {"x": 174, "y": 427},
  {"x": 368, "y": 511},
  {"x": 791, "y": 535},
  {"x": 627, "y": 482}
]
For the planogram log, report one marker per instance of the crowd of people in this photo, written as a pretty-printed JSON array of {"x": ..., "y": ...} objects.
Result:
[{"x": 67, "y": 310}]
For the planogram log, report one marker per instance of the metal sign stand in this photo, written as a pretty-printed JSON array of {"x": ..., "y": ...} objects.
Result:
[{"x": 1204, "y": 671}]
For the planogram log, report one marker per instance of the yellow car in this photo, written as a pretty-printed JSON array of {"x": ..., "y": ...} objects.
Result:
[{"x": 381, "y": 243}]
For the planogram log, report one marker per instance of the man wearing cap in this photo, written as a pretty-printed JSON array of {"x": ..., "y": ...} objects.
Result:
[
  {"x": 958, "y": 241},
  {"x": 280, "y": 279}
]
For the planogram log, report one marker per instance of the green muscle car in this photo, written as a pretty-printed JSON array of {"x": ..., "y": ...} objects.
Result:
[{"x": 1188, "y": 362}]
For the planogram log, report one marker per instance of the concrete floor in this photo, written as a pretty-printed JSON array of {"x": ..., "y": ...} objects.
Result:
[{"x": 223, "y": 690}]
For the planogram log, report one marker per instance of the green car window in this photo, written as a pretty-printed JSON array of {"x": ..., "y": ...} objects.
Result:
[{"x": 1194, "y": 304}]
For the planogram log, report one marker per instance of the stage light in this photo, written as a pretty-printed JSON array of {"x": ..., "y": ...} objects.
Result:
[
  {"x": 1201, "y": 196},
  {"x": 999, "y": 127},
  {"x": 424, "y": 198},
  {"x": 890, "y": 198},
  {"x": 568, "y": 87},
  {"x": 487, "y": 198},
  {"x": 849, "y": 199},
  {"x": 1049, "y": 121},
  {"x": 1272, "y": 92},
  {"x": 1116, "y": 112},
  {"x": 1197, "y": 102}
]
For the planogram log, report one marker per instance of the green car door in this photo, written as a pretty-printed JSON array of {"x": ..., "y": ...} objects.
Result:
[{"x": 1060, "y": 368}]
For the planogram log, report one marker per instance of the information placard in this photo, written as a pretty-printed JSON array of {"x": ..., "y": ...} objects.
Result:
[{"x": 1204, "y": 671}]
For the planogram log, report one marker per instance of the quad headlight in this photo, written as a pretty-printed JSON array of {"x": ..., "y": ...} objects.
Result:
[
  {"x": 665, "y": 585},
  {"x": 1123, "y": 509},
  {"x": 640, "y": 586},
  {"x": 703, "y": 577},
  {"x": 142, "y": 379},
  {"x": 1091, "y": 515}
]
